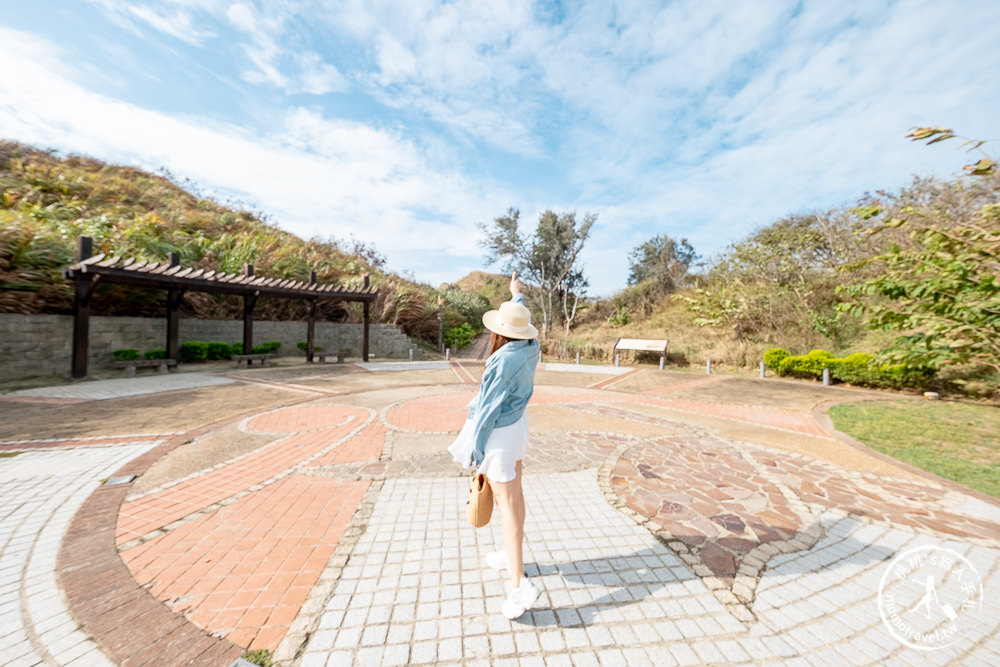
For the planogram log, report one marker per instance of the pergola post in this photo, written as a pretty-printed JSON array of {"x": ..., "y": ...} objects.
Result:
[
  {"x": 174, "y": 298},
  {"x": 311, "y": 327},
  {"x": 249, "y": 302},
  {"x": 83, "y": 289},
  {"x": 364, "y": 332}
]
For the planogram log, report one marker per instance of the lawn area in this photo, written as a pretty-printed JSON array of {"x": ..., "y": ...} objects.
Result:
[{"x": 958, "y": 441}]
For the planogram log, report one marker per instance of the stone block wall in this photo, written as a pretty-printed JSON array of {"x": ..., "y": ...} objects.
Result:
[{"x": 41, "y": 345}]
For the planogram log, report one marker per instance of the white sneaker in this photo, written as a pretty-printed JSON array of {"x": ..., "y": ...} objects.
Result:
[
  {"x": 497, "y": 560},
  {"x": 520, "y": 599}
]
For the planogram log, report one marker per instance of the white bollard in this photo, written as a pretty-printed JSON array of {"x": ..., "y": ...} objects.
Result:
[
  {"x": 762, "y": 369},
  {"x": 577, "y": 358},
  {"x": 617, "y": 360},
  {"x": 826, "y": 377},
  {"x": 447, "y": 354},
  {"x": 708, "y": 366},
  {"x": 663, "y": 361},
  {"x": 411, "y": 354}
]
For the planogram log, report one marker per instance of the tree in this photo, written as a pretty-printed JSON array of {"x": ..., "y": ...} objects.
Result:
[
  {"x": 547, "y": 258},
  {"x": 941, "y": 290},
  {"x": 663, "y": 260}
]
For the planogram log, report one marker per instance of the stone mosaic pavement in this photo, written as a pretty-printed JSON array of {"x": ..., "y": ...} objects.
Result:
[{"x": 672, "y": 519}]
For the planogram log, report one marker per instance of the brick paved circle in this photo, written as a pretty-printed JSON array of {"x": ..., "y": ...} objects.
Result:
[{"x": 304, "y": 418}]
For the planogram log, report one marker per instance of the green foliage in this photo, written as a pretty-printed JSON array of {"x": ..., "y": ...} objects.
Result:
[
  {"x": 470, "y": 304},
  {"x": 156, "y": 354},
  {"x": 807, "y": 365},
  {"x": 126, "y": 355},
  {"x": 235, "y": 349},
  {"x": 260, "y": 656},
  {"x": 193, "y": 351},
  {"x": 942, "y": 292},
  {"x": 217, "y": 351},
  {"x": 858, "y": 368},
  {"x": 619, "y": 318},
  {"x": 303, "y": 345},
  {"x": 547, "y": 259},
  {"x": 774, "y": 357},
  {"x": 459, "y": 337},
  {"x": 662, "y": 260},
  {"x": 271, "y": 347}
]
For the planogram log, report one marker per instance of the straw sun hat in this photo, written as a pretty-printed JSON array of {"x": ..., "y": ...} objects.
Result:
[{"x": 512, "y": 320}]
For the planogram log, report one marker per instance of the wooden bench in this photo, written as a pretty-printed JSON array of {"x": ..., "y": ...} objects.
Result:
[
  {"x": 641, "y": 345},
  {"x": 128, "y": 367},
  {"x": 244, "y": 360}
]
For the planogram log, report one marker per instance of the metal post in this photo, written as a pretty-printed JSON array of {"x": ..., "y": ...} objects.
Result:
[
  {"x": 411, "y": 354},
  {"x": 663, "y": 361},
  {"x": 367, "y": 316},
  {"x": 762, "y": 366},
  {"x": 577, "y": 358},
  {"x": 617, "y": 360},
  {"x": 708, "y": 366},
  {"x": 447, "y": 354},
  {"x": 826, "y": 377}
]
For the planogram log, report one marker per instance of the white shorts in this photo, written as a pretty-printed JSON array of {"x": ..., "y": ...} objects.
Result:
[{"x": 506, "y": 446}]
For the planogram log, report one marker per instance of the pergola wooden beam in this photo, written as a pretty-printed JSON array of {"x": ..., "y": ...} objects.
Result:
[{"x": 176, "y": 280}]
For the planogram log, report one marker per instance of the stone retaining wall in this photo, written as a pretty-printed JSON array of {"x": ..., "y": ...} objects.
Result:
[{"x": 39, "y": 345}]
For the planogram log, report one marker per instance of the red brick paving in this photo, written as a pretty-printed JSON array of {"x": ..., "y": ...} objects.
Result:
[
  {"x": 148, "y": 513},
  {"x": 244, "y": 570}
]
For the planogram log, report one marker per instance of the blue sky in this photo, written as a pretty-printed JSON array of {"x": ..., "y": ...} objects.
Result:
[{"x": 406, "y": 123}]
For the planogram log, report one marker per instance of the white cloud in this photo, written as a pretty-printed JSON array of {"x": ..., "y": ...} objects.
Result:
[
  {"x": 316, "y": 176},
  {"x": 170, "y": 17}
]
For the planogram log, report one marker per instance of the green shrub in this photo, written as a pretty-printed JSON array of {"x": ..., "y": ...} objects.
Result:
[
  {"x": 156, "y": 354},
  {"x": 459, "y": 337},
  {"x": 126, "y": 355},
  {"x": 193, "y": 351},
  {"x": 304, "y": 344},
  {"x": 807, "y": 365},
  {"x": 270, "y": 347},
  {"x": 217, "y": 351},
  {"x": 619, "y": 318},
  {"x": 235, "y": 348},
  {"x": 774, "y": 356}
]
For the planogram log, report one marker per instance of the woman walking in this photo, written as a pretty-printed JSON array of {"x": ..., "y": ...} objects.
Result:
[{"x": 495, "y": 436}]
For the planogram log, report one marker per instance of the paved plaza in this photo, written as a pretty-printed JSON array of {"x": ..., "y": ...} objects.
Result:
[{"x": 311, "y": 510}]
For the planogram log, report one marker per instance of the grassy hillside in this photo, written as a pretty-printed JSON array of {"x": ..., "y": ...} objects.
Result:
[{"x": 46, "y": 202}]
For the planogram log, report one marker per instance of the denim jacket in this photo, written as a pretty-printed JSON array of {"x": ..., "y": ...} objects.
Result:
[{"x": 507, "y": 385}]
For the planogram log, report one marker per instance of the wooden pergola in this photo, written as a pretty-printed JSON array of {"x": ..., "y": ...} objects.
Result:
[{"x": 90, "y": 270}]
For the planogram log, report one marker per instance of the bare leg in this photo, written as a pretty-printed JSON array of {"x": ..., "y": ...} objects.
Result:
[{"x": 510, "y": 502}]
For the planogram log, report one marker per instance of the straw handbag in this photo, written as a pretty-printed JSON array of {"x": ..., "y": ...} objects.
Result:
[{"x": 480, "y": 505}]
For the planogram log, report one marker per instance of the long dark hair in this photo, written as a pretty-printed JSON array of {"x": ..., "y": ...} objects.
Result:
[{"x": 496, "y": 342}]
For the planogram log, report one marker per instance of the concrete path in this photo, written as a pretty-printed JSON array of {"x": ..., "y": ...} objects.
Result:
[{"x": 672, "y": 519}]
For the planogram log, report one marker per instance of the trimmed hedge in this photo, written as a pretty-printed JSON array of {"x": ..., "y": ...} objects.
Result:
[
  {"x": 126, "y": 355},
  {"x": 774, "y": 357},
  {"x": 156, "y": 354},
  {"x": 193, "y": 350},
  {"x": 218, "y": 351},
  {"x": 303, "y": 344},
  {"x": 270, "y": 347},
  {"x": 858, "y": 369}
]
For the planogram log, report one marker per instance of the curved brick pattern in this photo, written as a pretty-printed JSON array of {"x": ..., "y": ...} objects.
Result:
[
  {"x": 786, "y": 420},
  {"x": 148, "y": 513},
  {"x": 365, "y": 446},
  {"x": 244, "y": 571},
  {"x": 431, "y": 414},
  {"x": 305, "y": 418}
]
